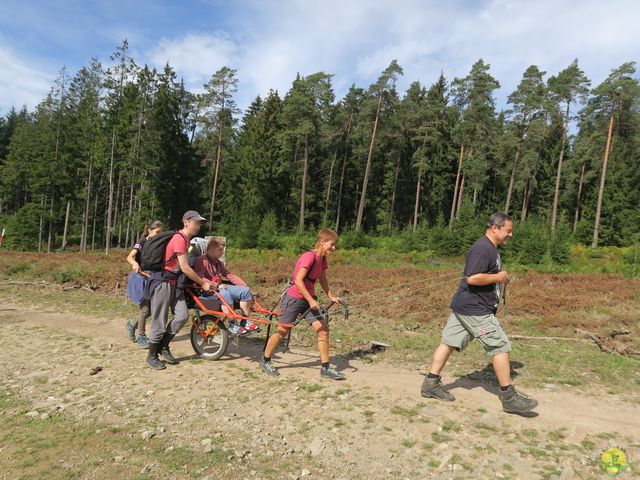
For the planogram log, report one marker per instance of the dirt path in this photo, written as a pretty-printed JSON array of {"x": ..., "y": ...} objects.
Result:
[{"x": 374, "y": 425}]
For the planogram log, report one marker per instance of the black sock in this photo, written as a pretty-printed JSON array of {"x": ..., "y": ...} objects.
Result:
[
  {"x": 325, "y": 365},
  {"x": 266, "y": 359},
  {"x": 432, "y": 375},
  {"x": 504, "y": 389}
]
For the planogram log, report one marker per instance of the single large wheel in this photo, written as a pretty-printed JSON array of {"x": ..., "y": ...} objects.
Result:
[{"x": 209, "y": 337}]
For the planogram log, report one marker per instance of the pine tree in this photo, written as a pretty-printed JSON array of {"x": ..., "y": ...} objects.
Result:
[
  {"x": 528, "y": 103},
  {"x": 473, "y": 95},
  {"x": 303, "y": 113},
  {"x": 216, "y": 113},
  {"x": 378, "y": 90},
  {"x": 616, "y": 99},
  {"x": 568, "y": 87}
]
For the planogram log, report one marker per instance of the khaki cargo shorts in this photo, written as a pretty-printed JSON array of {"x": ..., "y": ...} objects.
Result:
[{"x": 461, "y": 329}]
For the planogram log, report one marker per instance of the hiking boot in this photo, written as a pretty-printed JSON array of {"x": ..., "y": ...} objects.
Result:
[
  {"x": 164, "y": 349},
  {"x": 152, "y": 359},
  {"x": 143, "y": 341},
  {"x": 131, "y": 330},
  {"x": 516, "y": 402},
  {"x": 432, "y": 388},
  {"x": 331, "y": 373},
  {"x": 268, "y": 368}
]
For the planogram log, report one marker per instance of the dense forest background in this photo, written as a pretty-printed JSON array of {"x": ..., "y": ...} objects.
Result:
[{"x": 111, "y": 148}]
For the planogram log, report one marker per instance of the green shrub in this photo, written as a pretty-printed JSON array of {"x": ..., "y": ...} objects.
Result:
[
  {"x": 22, "y": 228},
  {"x": 560, "y": 246},
  {"x": 351, "y": 239},
  {"x": 631, "y": 254},
  {"x": 268, "y": 234},
  {"x": 66, "y": 276},
  {"x": 529, "y": 243},
  {"x": 533, "y": 244},
  {"x": 296, "y": 243}
]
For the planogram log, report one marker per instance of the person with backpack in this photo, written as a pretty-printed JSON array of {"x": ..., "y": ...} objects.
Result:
[
  {"x": 166, "y": 255},
  {"x": 230, "y": 287},
  {"x": 473, "y": 315},
  {"x": 136, "y": 284},
  {"x": 310, "y": 268}
]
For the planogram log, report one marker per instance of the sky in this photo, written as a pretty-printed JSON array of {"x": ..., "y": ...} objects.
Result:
[{"x": 270, "y": 41}]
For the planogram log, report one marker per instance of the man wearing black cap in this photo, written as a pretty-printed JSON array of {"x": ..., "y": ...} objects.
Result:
[{"x": 168, "y": 293}]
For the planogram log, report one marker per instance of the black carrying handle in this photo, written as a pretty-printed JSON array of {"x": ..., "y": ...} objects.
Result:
[{"x": 324, "y": 312}]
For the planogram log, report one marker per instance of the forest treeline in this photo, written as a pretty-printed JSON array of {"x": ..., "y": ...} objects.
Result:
[{"x": 111, "y": 147}]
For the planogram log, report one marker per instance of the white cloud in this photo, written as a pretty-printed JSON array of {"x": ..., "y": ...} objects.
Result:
[
  {"x": 21, "y": 83},
  {"x": 196, "y": 56},
  {"x": 355, "y": 40},
  {"x": 269, "y": 42}
]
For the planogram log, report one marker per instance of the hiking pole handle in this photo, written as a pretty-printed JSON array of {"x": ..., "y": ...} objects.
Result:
[{"x": 345, "y": 309}]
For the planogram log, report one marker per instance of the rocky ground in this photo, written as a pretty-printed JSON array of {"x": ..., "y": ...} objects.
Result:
[{"x": 226, "y": 419}]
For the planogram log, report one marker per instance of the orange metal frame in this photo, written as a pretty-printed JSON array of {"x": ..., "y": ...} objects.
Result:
[{"x": 232, "y": 315}]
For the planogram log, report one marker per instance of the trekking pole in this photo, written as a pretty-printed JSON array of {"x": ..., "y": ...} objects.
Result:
[{"x": 504, "y": 303}]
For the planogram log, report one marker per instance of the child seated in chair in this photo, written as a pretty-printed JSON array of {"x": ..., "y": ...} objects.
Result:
[{"x": 229, "y": 286}]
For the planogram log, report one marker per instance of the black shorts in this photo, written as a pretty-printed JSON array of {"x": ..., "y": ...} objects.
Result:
[{"x": 293, "y": 307}]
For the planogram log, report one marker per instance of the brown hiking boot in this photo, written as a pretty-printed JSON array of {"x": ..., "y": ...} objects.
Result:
[
  {"x": 516, "y": 402},
  {"x": 432, "y": 388}
]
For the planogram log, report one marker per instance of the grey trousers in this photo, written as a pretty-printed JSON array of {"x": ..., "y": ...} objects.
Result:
[
  {"x": 163, "y": 299},
  {"x": 145, "y": 312}
]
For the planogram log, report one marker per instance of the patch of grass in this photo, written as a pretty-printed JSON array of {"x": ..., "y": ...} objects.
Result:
[
  {"x": 172, "y": 460},
  {"x": 66, "y": 276},
  {"x": 572, "y": 382},
  {"x": 440, "y": 437},
  {"x": 530, "y": 432},
  {"x": 556, "y": 435},
  {"x": 408, "y": 443},
  {"x": 484, "y": 426},
  {"x": 457, "y": 459},
  {"x": 536, "y": 452},
  {"x": 549, "y": 472},
  {"x": 339, "y": 423},
  {"x": 428, "y": 446},
  {"x": 450, "y": 426},
  {"x": 310, "y": 387},
  {"x": 433, "y": 463},
  {"x": 588, "y": 444},
  {"x": 404, "y": 411}
]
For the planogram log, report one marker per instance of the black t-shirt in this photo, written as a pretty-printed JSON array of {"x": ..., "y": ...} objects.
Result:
[
  {"x": 138, "y": 247},
  {"x": 483, "y": 257}
]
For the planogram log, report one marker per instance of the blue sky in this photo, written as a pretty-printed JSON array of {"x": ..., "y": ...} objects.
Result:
[{"x": 268, "y": 42}]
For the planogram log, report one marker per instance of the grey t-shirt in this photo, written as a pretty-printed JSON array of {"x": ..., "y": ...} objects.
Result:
[{"x": 483, "y": 257}]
